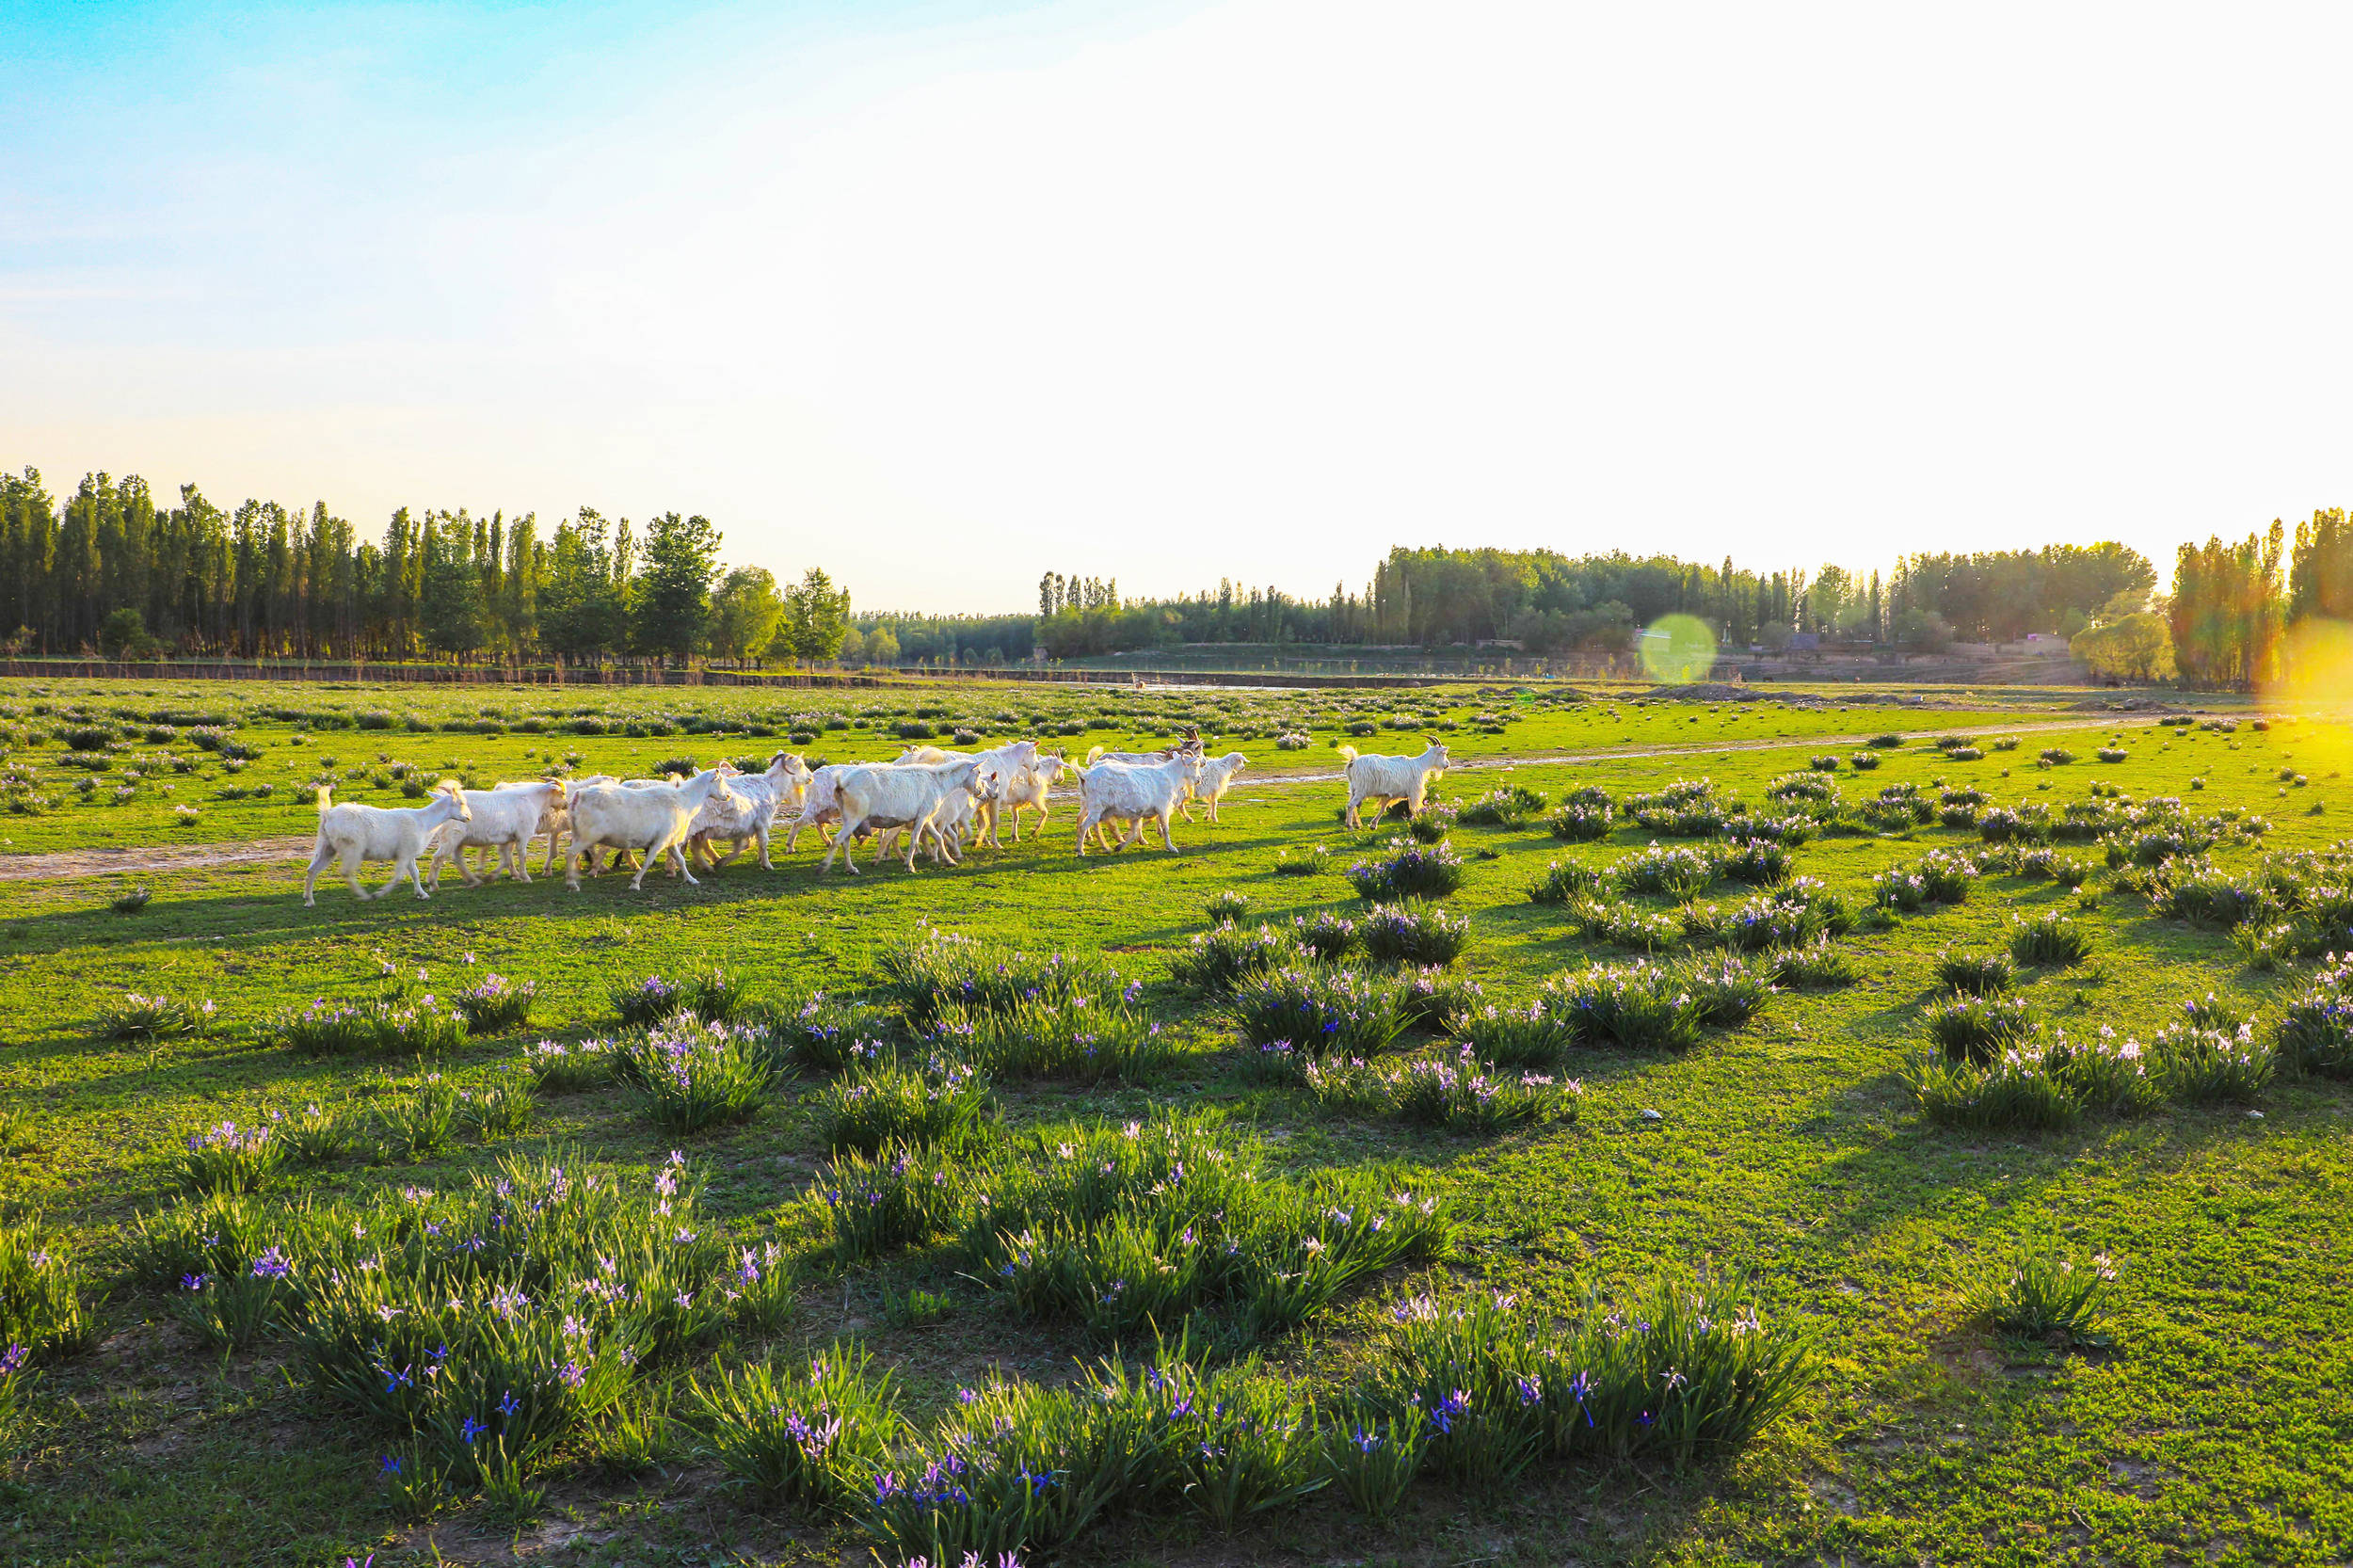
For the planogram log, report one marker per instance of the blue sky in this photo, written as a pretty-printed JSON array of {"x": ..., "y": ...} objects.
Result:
[{"x": 943, "y": 295}]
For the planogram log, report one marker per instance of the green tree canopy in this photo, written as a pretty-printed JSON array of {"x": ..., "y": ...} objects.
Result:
[
  {"x": 744, "y": 614},
  {"x": 671, "y": 612}
]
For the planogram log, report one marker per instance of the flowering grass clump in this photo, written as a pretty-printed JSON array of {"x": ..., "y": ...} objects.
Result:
[
  {"x": 1564, "y": 881},
  {"x": 1758, "y": 862},
  {"x": 1531, "y": 1036},
  {"x": 1215, "y": 961},
  {"x": 2315, "y": 1033},
  {"x": 227, "y": 1158},
  {"x": 816, "y": 1034},
  {"x": 1978, "y": 1028},
  {"x": 1816, "y": 966},
  {"x": 2202, "y": 1061},
  {"x": 817, "y": 1437},
  {"x": 1420, "y": 935},
  {"x": 1320, "y": 1010},
  {"x": 229, "y": 1311},
  {"x": 149, "y": 1019},
  {"x": 419, "y": 1122},
  {"x": 1434, "y": 999},
  {"x": 1676, "y": 873},
  {"x": 1078, "y": 1040},
  {"x": 642, "y": 1003},
  {"x": 1581, "y": 825},
  {"x": 1432, "y": 822},
  {"x": 1326, "y": 936},
  {"x": 1460, "y": 1094},
  {"x": 2208, "y": 895},
  {"x": 1799, "y": 915},
  {"x": 1975, "y": 974},
  {"x": 1939, "y": 876},
  {"x": 2048, "y": 938},
  {"x": 888, "y": 1200},
  {"x": 497, "y": 1004},
  {"x": 1862, "y": 762},
  {"x": 941, "y": 969},
  {"x": 493, "y": 1325},
  {"x": 2043, "y": 1294},
  {"x": 867, "y": 1107},
  {"x": 1226, "y": 905},
  {"x": 689, "y": 1077},
  {"x": 559, "y": 1068},
  {"x": 1641, "y": 1004},
  {"x": 1409, "y": 870},
  {"x": 1313, "y": 861},
  {"x": 40, "y": 1302},
  {"x": 1672, "y": 1374},
  {"x": 380, "y": 1024},
  {"x": 1509, "y": 805}
]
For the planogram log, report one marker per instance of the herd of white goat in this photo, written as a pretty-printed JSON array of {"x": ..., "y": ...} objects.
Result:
[{"x": 927, "y": 799}]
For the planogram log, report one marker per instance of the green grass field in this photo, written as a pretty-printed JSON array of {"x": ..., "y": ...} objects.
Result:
[{"x": 1786, "y": 1162}]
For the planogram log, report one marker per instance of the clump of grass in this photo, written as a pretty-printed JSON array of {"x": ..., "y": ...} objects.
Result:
[
  {"x": 1759, "y": 862},
  {"x": 230, "y": 1311},
  {"x": 815, "y": 1435},
  {"x": 1320, "y": 1011},
  {"x": 1565, "y": 881},
  {"x": 1432, "y": 822},
  {"x": 1434, "y": 999},
  {"x": 1408, "y": 872},
  {"x": 559, "y": 1068},
  {"x": 1641, "y": 1004},
  {"x": 2112, "y": 754},
  {"x": 642, "y": 1003},
  {"x": 2054, "y": 757},
  {"x": 1460, "y": 1094},
  {"x": 1420, "y": 935},
  {"x": 1581, "y": 825},
  {"x": 2200, "y": 1063},
  {"x": 226, "y": 1157},
  {"x": 941, "y": 969},
  {"x": 1315, "y": 861},
  {"x": 689, "y": 1077},
  {"x": 501, "y": 1110},
  {"x": 1225, "y": 905},
  {"x": 132, "y": 902},
  {"x": 2315, "y": 1033},
  {"x": 1676, "y": 873},
  {"x": 1326, "y": 936},
  {"x": 1975, "y": 974},
  {"x": 893, "y": 1198},
  {"x": 1079, "y": 1041},
  {"x": 1862, "y": 762},
  {"x": 380, "y": 1024},
  {"x": 149, "y": 1019},
  {"x": 817, "y": 1033},
  {"x": 41, "y": 1310},
  {"x": 2048, "y": 938},
  {"x": 1978, "y": 1029},
  {"x": 1816, "y": 966},
  {"x": 2043, "y": 1294},
  {"x": 939, "y": 1103},
  {"x": 2008, "y": 1089},
  {"x": 313, "y": 1137},
  {"x": 1626, "y": 926},
  {"x": 497, "y": 1004},
  {"x": 1216, "y": 960},
  {"x": 1509, "y": 805},
  {"x": 422, "y": 1121}
]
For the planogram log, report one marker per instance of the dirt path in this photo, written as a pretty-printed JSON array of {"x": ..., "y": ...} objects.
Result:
[{"x": 150, "y": 860}]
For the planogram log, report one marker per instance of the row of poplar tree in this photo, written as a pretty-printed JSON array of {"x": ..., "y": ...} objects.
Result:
[
  {"x": 113, "y": 570},
  {"x": 2234, "y": 603}
]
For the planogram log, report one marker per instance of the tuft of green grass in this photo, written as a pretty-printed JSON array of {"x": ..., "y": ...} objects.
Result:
[
  {"x": 2049, "y": 938},
  {"x": 2043, "y": 1293}
]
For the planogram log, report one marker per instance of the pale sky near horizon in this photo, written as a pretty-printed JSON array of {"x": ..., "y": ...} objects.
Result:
[{"x": 942, "y": 296}]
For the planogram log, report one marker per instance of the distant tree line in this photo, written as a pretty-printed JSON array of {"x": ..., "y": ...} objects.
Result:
[{"x": 111, "y": 569}]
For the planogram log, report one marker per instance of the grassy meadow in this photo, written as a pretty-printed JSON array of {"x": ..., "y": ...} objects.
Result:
[{"x": 1976, "y": 1281}]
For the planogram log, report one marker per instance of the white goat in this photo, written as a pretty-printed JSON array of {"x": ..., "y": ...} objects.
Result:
[
  {"x": 757, "y": 799},
  {"x": 1133, "y": 794},
  {"x": 1217, "y": 777},
  {"x": 354, "y": 833},
  {"x": 653, "y": 821},
  {"x": 1026, "y": 790},
  {"x": 915, "y": 796},
  {"x": 503, "y": 818},
  {"x": 1379, "y": 780},
  {"x": 1009, "y": 761}
]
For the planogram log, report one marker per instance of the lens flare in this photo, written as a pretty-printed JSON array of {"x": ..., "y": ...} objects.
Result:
[
  {"x": 2315, "y": 687},
  {"x": 1677, "y": 649}
]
